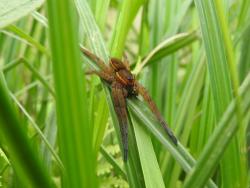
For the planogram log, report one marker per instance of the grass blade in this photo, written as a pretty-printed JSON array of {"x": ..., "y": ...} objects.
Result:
[
  {"x": 24, "y": 160},
  {"x": 123, "y": 24},
  {"x": 38, "y": 76},
  {"x": 149, "y": 163},
  {"x": 13, "y": 10},
  {"x": 75, "y": 135},
  {"x": 185, "y": 113},
  {"x": 165, "y": 48},
  {"x": 184, "y": 159},
  {"x": 21, "y": 34},
  {"x": 179, "y": 153},
  {"x": 221, "y": 137},
  {"x": 223, "y": 80},
  {"x": 112, "y": 161},
  {"x": 39, "y": 132},
  {"x": 133, "y": 168}
]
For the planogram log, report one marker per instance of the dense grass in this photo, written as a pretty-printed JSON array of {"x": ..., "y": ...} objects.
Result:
[{"x": 58, "y": 127}]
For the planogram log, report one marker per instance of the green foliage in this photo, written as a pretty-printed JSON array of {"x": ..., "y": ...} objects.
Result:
[
  {"x": 62, "y": 130},
  {"x": 24, "y": 160},
  {"x": 12, "y": 11},
  {"x": 71, "y": 104}
]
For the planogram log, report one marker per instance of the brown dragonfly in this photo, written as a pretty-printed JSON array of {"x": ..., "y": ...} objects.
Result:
[{"x": 123, "y": 85}]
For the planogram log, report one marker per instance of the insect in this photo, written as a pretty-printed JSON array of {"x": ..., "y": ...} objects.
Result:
[{"x": 124, "y": 85}]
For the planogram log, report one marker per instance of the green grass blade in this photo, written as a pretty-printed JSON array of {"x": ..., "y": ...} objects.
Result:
[
  {"x": 221, "y": 137},
  {"x": 40, "y": 18},
  {"x": 128, "y": 11},
  {"x": 9, "y": 66},
  {"x": 244, "y": 65},
  {"x": 101, "y": 13},
  {"x": 166, "y": 47},
  {"x": 185, "y": 113},
  {"x": 223, "y": 80},
  {"x": 179, "y": 153},
  {"x": 24, "y": 159},
  {"x": 244, "y": 13},
  {"x": 30, "y": 86},
  {"x": 75, "y": 135},
  {"x": 39, "y": 132},
  {"x": 50, "y": 133},
  {"x": 230, "y": 57},
  {"x": 206, "y": 125},
  {"x": 17, "y": 31},
  {"x": 220, "y": 81},
  {"x": 39, "y": 77},
  {"x": 149, "y": 163},
  {"x": 100, "y": 121},
  {"x": 13, "y": 10},
  {"x": 113, "y": 162}
]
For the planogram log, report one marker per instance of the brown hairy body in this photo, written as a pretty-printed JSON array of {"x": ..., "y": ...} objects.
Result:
[{"x": 124, "y": 85}]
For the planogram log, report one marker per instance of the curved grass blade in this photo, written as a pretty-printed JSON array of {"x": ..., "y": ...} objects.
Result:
[
  {"x": 22, "y": 35},
  {"x": 39, "y": 132},
  {"x": 166, "y": 47},
  {"x": 24, "y": 159}
]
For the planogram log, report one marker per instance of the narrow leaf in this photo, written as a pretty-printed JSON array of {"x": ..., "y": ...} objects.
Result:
[{"x": 13, "y": 10}]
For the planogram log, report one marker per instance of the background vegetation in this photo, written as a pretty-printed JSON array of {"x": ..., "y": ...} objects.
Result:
[{"x": 58, "y": 127}]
